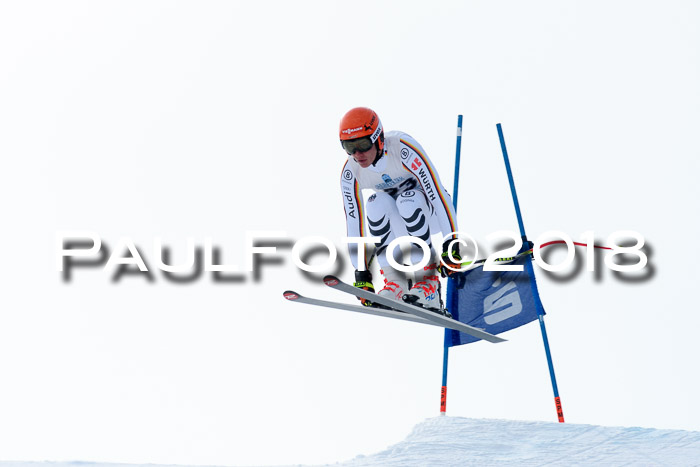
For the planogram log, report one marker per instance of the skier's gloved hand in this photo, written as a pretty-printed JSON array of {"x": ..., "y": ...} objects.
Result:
[
  {"x": 455, "y": 262},
  {"x": 363, "y": 280}
]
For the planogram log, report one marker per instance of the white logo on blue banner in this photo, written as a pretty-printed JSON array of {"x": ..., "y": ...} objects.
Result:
[
  {"x": 496, "y": 301},
  {"x": 498, "y": 306}
]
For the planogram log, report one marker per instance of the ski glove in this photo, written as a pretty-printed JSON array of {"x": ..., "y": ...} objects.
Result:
[
  {"x": 445, "y": 271},
  {"x": 363, "y": 280}
]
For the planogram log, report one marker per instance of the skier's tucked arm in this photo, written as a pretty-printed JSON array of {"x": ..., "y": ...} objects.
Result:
[
  {"x": 355, "y": 219},
  {"x": 354, "y": 211}
]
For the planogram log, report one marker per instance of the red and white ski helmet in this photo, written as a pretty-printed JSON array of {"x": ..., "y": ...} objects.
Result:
[{"x": 362, "y": 122}]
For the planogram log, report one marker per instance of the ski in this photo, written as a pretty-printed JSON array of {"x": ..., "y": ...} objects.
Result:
[
  {"x": 298, "y": 298},
  {"x": 440, "y": 320}
]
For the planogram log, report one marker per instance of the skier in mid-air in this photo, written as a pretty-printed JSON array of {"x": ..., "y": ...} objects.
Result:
[{"x": 407, "y": 196}]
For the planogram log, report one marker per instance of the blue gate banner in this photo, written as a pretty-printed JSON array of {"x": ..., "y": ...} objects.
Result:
[{"x": 496, "y": 301}]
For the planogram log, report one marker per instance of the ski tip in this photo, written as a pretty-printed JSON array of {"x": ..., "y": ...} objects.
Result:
[
  {"x": 331, "y": 281},
  {"x": 290, "y": 295}
]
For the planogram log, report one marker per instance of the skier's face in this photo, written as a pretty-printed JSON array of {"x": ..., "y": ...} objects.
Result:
[{"x": 366, "y": 158}]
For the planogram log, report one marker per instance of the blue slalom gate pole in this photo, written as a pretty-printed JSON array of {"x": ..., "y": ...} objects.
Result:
[
  {"x": 531, "y": 273},
  {"x": 446, "y": 348}
]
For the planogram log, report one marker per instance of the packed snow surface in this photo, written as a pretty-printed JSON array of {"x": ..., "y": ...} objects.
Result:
[
  {"x": 465, "y": 441},
  {"x": 454, "y": 441}
]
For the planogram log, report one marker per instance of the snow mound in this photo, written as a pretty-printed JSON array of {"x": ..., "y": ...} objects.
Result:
[{"x": 452, "y": 441}]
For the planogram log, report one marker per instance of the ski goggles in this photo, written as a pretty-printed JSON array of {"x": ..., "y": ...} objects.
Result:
[{"x": 357, "y": 145}]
